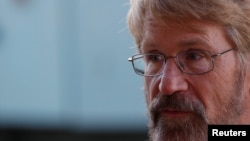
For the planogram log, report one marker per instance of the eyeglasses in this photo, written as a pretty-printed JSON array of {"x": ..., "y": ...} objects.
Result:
[{"x": 193, "y": 62}]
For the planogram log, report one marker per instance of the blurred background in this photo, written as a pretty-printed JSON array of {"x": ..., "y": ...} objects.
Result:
[{"x": 64, "y": 73}]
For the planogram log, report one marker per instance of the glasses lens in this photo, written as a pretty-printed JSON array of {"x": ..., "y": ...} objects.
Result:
[
  {"x": 148, "y": 64},
  {"x": 195, "y": 62},
  {"x": 139, "y": 64}
]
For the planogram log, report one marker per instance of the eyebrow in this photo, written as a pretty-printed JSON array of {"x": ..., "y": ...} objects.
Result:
[
  {"x": 182, "y": 43},
  {"x": 193, "y": 41},
  {"x": 147, "y": 45}
]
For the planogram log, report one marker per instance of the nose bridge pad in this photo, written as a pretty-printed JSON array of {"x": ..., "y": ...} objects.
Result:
[
  {"x": 180, "y": 65},
  {"x": 177, "y": 64},
  {"x": 172, "y": 80}
]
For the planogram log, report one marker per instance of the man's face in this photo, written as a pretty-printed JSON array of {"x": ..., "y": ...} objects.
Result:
[{"x": 181, "y": 105}]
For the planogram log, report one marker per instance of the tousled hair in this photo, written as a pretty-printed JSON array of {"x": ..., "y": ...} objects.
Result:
[{"x": 232, "y": 15}]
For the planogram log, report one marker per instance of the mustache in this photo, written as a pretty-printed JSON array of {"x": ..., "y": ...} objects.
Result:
[{"x": 175, "y": 102}]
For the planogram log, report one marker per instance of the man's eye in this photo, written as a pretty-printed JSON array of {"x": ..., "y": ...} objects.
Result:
[
  {"x": 155, "y": 58},
  {"x": 194, "y": 55}
]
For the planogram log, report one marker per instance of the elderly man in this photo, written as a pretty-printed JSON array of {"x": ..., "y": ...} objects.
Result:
[{"x": 194, "y": 58}]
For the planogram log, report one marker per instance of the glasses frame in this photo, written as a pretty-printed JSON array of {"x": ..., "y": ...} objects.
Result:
[{"x": 213, "y": 56}]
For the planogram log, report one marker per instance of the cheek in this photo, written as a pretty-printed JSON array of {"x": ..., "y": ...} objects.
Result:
[
  {"x": 205, "y": 89},
  {"x": 151, "y": 88},
  {"x": 213, "y": 91}
]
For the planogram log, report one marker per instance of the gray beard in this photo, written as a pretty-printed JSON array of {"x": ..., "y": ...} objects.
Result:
[
  {"x": 194, "y": 127},
  {"x": 166, "y": 129}
]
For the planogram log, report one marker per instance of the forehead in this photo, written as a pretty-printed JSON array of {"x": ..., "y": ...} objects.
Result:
[
  {"x": 188, "y": 32},
  {"x": 188, "y": 25}
]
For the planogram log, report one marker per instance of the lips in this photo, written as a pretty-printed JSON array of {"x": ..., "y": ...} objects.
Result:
[
  {"x": 177, "y": 106},
  {"x": 174, "y": 113}
]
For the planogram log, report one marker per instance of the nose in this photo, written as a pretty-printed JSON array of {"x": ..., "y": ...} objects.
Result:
[{"x": 172, "y": 80}]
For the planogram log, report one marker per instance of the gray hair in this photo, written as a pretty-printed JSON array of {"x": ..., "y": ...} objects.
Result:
[{"x": 232, "y": 15}]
